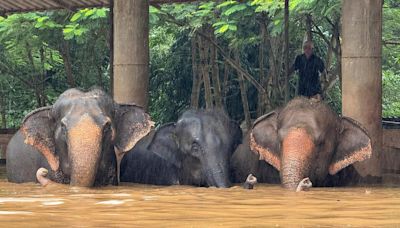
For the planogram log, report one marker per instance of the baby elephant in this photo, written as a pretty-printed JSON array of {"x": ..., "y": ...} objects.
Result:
[{"x": 194, "y": 151}]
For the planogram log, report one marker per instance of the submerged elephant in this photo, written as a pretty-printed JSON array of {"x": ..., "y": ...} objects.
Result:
[
  {"x": 194, "y": 151},
  {"x": 307, "y": 139},
  {"x": 245, "y": 162},
  {"x": 75, "y": 139}
]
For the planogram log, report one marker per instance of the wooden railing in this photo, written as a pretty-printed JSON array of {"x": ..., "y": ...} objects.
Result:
[{"x": 5, "y": 136}]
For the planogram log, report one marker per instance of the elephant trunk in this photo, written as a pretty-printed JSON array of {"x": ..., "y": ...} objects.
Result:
[
  {"x": 84, "y": 151},
  {"x": 219, "y": 178},
  {"x": 217, "y": 173},
  {"x": 297, "y": 149}
]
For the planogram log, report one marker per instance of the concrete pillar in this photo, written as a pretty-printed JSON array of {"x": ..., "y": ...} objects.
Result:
[
  {"x": 362, "y": 72},
  {"x": 131, "y": 51}
]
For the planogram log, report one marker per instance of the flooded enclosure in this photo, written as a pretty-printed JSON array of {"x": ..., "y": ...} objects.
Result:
[
  {"x": 177, "y": 94},
  {"x": 29, "y": 205}
]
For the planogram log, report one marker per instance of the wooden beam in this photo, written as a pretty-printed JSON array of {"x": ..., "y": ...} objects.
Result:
[
  {"x": 18, "y": 6},
  {"x": 63, "y": 4},
  {"x": 157, "y": 2}
]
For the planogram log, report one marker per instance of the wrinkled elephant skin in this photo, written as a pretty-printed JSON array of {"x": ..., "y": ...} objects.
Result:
[
  {"x": 74, "y": 139},
  {"x": 307, "y": 139}
]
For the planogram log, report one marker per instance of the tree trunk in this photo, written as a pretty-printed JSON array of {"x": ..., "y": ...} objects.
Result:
[
  {"x": 3, "y": 110},
  {"x": 225, "y": 82},
  {"x": 215, "y": 76},
  {"x": 262, "y": 98},
  {"x": 100, "y": 76},
  {"x": 272, "y": 82},
  {"x": 42, "y": 83},
  {"x": 194, "y": 101},
  {"x": 204, "y": 55},
  {"x": 243, "y": 93},
  {"x": 34, "y": 76},
  {"x": 338, "y": 51},
  {"x": 67, "y": 63},
  {"x": 309, "y": 35}
]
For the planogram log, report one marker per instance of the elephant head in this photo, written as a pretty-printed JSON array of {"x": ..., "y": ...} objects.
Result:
[
  {"x": 206, "y": 140},
  {"x": 78, "y": 133},
  {"x": 307, "y": 139}
]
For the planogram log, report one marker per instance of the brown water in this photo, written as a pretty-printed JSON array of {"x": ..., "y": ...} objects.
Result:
[{"x": 30, "y": 205}]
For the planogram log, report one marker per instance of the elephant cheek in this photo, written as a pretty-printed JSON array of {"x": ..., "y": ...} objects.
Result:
[
  {"x": 297, "y": 149},
  {"x": 84, "y": 152}
]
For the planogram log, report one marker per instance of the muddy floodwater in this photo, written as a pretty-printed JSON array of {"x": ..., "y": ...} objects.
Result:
[{"x": 30, "y": 205}]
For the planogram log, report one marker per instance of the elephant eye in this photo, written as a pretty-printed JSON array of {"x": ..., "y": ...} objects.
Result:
[
  {"x": 63, "y": 128},
  {"x": 107, "y": 127}
]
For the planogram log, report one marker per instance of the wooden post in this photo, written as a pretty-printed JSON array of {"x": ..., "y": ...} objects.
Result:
[
  {"x": 131, "y": 51},
  {"x": 362, "y": 73},
  {"x": 111, "y": 43},
  {"x": 286, "y": 51}
]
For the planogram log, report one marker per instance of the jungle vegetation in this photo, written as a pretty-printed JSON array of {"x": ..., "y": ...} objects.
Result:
[{"x": 227, "y": 54}]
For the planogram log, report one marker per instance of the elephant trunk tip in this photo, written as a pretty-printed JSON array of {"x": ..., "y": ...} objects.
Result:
[
  {"x": 41, "y": 174},
  {"x": 250, "y": 182}
]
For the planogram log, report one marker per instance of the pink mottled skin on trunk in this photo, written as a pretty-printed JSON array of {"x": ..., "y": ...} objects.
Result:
[
  {"x": 85, "y": 150},
  {"x": 297, "y": 149}
]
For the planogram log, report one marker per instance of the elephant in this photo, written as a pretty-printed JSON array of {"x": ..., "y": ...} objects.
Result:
[
  {"x": 306, "y": 139},
  {"x": 244, "y": 162},
  {"x": 193, "y": 151},
  {"x": 80, "y": 139}
]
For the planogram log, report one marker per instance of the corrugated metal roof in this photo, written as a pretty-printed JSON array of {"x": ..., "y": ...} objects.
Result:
[
  {"x": 14, "y": 6},
  {"x": 11, "y": 6}
]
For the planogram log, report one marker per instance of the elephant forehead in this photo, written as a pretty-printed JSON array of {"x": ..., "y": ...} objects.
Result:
[
  {"x": 189, "y": 127},
  {"x": 79, "y": 105},
  {"x": 297, "y": 144}
]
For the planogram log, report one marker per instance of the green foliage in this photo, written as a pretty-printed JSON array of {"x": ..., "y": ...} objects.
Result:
[
  {"x": 32, "y": 66},
  {"x": 81, "y": 22},
  {"x": 391, "y": 94}
]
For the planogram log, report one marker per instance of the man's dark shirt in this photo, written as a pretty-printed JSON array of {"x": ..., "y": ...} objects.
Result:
[{"x": 309, "y": 84}]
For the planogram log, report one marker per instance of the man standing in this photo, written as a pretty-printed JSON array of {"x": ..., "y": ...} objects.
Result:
[{"x": 309, "y": 67}]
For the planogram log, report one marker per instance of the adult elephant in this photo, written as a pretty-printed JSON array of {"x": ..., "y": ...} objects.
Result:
[
  {"x": 307, "y": 139},
  {"x": 75, "y": 138},
  {"x": 245, "y": 162},
  {"x": 194, "y": 151}
]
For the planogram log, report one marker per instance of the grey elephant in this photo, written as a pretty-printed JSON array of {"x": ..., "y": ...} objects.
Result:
[
  {"x": 78, "y": 139},
  {"x": 303, "y": 139},
  {"x": 194, "y": 151}
]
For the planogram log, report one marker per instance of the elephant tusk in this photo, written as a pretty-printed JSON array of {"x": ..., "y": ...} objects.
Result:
[
  {"x": 41, "y": 174},
  {"x": 304, "y": 185}
]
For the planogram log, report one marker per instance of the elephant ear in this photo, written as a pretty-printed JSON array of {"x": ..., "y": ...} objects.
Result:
[
  {"x": 132, "y": 123},
  {"x": 264, "y": 139},
  {"x": 163, "y": 144},
  {"x": 38, "y": 131},
  {"x": 354, "y": 145}
]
